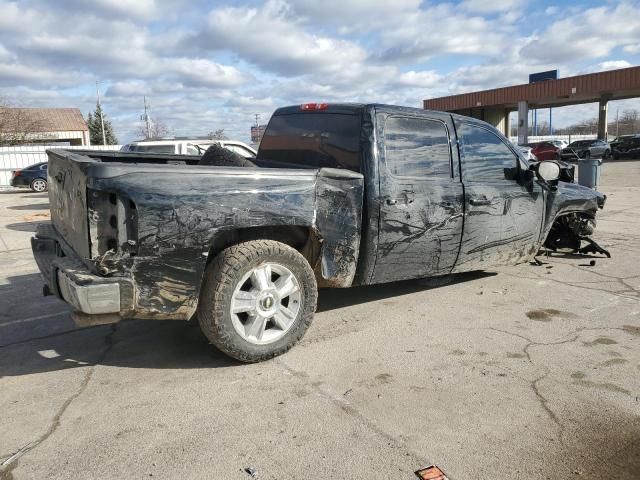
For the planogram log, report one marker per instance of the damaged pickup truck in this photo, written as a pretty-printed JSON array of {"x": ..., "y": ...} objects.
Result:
[{"x": 339, "y": 195}]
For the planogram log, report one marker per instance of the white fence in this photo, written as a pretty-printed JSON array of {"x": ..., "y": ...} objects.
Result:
[
  {"x": 14, "y": 158},
  {"x": 568, "y": 138}
]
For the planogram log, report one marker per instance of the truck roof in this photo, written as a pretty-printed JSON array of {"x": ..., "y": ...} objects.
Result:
[{"x": 352, "y": 108}]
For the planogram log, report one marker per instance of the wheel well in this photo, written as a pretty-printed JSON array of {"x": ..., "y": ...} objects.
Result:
[{"x": 303, "y": 239}]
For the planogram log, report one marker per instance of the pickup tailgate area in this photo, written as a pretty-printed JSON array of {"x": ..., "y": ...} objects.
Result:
[
  {"x": 152, "y": 262},
  {"x": 68, "y": 199}
]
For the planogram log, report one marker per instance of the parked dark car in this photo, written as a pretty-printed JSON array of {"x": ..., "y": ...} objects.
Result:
[
  {"x": 585, "y": 149},
  {"x": 627, "y": 146},
  {"x": 545, "y": 150},
  {"x": 339, "y": 195},
  {"x": 33, "y": 177}
]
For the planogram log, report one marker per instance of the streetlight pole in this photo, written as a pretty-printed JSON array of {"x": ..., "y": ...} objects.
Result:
[
  {"x": 104, "y": 138},
  {"x": 146, "y": 118}
]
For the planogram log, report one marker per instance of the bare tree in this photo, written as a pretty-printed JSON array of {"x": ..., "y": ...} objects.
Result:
[
  {"x": 16, "y": 124},
  {"x": 157, "y": 129},
  {"x": 628, "y": 123},
  {"x": 217, "y": 134}
]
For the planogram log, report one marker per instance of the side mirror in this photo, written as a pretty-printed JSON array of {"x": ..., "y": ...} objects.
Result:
[{"x": 548, "y": 172}]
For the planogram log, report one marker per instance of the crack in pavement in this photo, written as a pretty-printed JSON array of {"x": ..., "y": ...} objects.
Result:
[
  {"x": 6, "y": 464},
  {"x": 544, "y": 401},
  {"x": 350, "y": 410},
  {"x": 636, "y": 293}
]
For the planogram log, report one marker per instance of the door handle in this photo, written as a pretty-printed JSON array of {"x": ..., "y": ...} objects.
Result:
[{"x": 479, "y": 201}]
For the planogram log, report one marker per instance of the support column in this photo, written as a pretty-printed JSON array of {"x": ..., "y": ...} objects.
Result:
[
  {"x": 602, "y": 119},
  {"x": 523, "y": 122}
]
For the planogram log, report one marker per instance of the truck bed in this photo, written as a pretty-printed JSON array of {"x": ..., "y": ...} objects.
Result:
[{"x": 154, "y": 220}]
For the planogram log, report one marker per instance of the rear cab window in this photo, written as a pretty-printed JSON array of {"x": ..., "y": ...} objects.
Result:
[{"x": 312, "y": 140}]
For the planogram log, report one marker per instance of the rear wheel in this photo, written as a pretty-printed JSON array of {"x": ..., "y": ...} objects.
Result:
[
  {"x": 257, "y": 300},
  {"x": 39, "y": 185}
]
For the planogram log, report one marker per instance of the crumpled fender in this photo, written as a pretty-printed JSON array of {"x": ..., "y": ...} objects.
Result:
[{"x": 570, "y": 198}]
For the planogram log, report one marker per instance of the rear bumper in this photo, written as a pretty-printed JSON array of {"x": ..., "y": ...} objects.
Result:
[
  {"x": 19, "y": 182},
  {"x": 71, "y": 280}
]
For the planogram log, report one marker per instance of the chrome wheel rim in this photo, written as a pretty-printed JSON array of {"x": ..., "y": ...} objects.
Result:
[
  {"x": 39, "y": 185},
  {"x": 265, "y": 303}
]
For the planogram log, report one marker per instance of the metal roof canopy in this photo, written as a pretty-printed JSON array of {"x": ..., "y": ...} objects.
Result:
[{"x": 592, "y": 87}]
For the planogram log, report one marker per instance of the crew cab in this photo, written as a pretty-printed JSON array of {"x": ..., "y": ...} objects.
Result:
[{"x": 339, "y": 195}]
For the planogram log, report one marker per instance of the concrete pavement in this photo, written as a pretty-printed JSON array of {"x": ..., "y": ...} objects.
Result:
[{"x": 526, "y": 372}]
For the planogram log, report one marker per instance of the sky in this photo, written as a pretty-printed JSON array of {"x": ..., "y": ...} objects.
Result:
[{"x": 209, "y": 65}]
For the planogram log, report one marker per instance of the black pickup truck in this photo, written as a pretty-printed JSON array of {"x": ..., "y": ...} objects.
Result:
[{"x": 339, "y": 195}]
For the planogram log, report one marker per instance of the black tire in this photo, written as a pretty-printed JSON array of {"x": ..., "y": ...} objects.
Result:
[
  {"x": 222, "y": 277},
  {"x": 606, "y": 154},
  {"x": 219, "y": 156},
  {"x": 587, "y": 155},
  {"x": 38, "y": 185}
]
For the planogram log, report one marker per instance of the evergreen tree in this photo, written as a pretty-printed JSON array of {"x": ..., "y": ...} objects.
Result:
[{"x": 95, "y": 128}]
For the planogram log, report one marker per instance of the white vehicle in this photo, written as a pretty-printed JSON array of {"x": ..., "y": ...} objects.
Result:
[
  {"x": 187, "y": 146},
  {"x": 559, "y": 143}
]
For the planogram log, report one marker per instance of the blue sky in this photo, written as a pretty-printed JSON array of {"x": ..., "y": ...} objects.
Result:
[{"x": 207, "y": 65}]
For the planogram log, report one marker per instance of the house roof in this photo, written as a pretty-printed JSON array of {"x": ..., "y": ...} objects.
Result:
[{"x": 45, "y": 119}]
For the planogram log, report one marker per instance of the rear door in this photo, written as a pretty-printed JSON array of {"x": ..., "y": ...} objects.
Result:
[
  {"x": 503, "y": 216},
  {"x": 421, "y": 197}
]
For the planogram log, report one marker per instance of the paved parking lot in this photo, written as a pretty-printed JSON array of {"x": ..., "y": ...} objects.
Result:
[{"x": 526, "y": 372}]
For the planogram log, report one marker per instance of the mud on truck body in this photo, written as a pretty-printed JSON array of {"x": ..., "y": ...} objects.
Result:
[{"x": 338, "y": 196}]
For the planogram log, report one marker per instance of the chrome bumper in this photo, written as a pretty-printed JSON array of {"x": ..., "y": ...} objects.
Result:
[
  {"x": 68, "y": 278},
  {"x": 92, "y": 298}
]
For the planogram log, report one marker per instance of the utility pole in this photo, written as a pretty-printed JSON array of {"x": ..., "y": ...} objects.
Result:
[
  {"x": 146, "y": 118},
  {"x": 104, "y": 138}
]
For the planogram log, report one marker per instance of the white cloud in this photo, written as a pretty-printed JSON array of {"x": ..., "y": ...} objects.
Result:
[
  {"x": 439, "y": 30},
  {"x": 419, "y": 79},
  {"x": 593, "y": 33},
  {"x": 484, "y": 6},
  {"x": 208, "y": 66},
  {"x": 611, "y": 65},
  {"x": 634, "y": 48},
  {"x": 269, "y": 38}
]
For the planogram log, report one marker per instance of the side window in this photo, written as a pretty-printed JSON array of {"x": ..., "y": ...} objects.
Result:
[
  {"x": 156, "y": 149},
  {"x": 191, "y": 150},
  {"x": 484, "y": 155},
  {"x": 417, "y": 147}
]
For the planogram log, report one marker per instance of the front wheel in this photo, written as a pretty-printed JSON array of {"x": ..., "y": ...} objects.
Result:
[
  {"x": 257, "y": 300},
  {"x": 39, "y": 185},
  {"x": 606, "y": 154}
]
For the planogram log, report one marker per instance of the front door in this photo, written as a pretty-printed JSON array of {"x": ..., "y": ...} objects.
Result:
[
  {"x": 421, "y": 197},
  {"x": 503, "y": 215}
]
